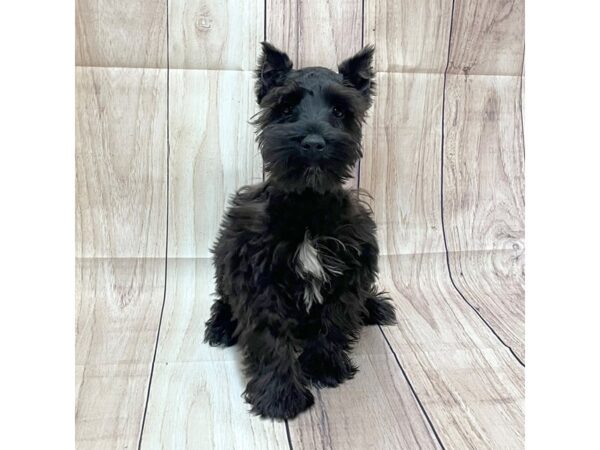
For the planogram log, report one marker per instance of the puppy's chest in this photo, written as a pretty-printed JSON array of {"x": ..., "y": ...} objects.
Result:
[
  {"x": 323, "y": 247},
  {"x": 318, "y": 262}
]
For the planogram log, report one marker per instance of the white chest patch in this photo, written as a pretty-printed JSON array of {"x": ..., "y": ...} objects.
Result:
[{"x": 314, "y": 264}]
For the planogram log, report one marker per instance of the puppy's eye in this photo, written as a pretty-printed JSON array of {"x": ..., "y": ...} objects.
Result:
[
  {"x": 337, "y": 112},
  {"x": 287, "y": 110}
]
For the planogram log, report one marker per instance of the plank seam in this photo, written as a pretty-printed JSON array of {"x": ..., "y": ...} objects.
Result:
[
  {"x": 442, "y": 201},
  {"x": 162, "y": 308},
  {"x": 264, "y": 21},
  {"x": 265, "y": 40},
  {"x": 412, "y": 389},
  {"x": 521, "y": 100},
  {"x": 362, "y": 44},
  {"x": 298, "y": 31},
  {"x": 289, "y": 436}
]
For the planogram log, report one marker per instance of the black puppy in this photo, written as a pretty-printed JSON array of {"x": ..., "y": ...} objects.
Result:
[{"x": 296, "y": 256}]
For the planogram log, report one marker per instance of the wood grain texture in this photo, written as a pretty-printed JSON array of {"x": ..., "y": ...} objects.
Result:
[
  {"x": 315, "y": 33},
  {"x": 121, "y": 154},
  {"x": 118, "y": 305},
  {"x": 213, "y": 153},
  {"x": 110, "y": 405},
  {"x": 487, "y": 37},
  {"x": 190, "y": 289},
  {"x": 376, "y": 409},
  {"x": 215, "y": 34},
  {"x": 199, "y": 405},
  {"x": 469, "y": 383},
  {"x": 195, "y": 400},
  {"x": 401, "y": 167},
  {"x": 484, "y": 163},
  {"x": 494, "y": 283},
  {"x": 113, "y": 33},
  {"x": 410, "y": 36},
  {"x": 484, "y": 199}
]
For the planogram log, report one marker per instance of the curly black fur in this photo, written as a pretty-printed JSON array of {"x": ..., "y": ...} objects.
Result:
[{"x": 296, "y": 256}]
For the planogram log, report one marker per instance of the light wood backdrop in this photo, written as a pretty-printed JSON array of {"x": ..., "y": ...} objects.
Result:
[{"x": 164, "y": 95}]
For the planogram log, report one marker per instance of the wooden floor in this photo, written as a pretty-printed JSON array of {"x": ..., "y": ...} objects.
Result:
[{"x": 164, "y": 94}]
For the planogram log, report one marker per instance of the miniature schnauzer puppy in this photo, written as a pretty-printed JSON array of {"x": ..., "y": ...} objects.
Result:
[{"x": 296, "y": 255}]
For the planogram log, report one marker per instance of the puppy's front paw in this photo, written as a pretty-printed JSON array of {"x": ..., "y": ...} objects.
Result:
[
  {"x": 279, "y": 401},
  {"x": 217, "y": 335},
  {"x": 221, "y": 326},
  {"x": 379, "y": 310},
  {"x": 327, "y": 369}
]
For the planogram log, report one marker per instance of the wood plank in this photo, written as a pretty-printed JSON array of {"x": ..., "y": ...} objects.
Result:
[
  {"x": 118, "y": 301},
  {"x": 110, "y": 406},
  {"x": 488, "y": 37},
  {"x": 494, "y": 283},
  {"x": 469, "y": 383},
  {"x": 195, "y": 400},
  {"x": 409, "y": 36},
  {"x": 190, "y": 289},
  {"x": 376, "y": 409},
  {"x": 121, "y": 154},
  {"x": 199, "y": 405},
  {"x": 484, "y": 199},
  {"x": 213, "y": 153},
  {"x": 315, "y": 33},
  {"x": 215, "y": 35},
  {"x": 484, "y": 163},
  {"x": 118, "y": 308},
  {"x": 113, "y": 33},
  {"x": 402, "y": 162}
]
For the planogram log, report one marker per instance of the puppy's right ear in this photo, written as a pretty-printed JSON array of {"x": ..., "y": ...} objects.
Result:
[{"x": 273, "y": 66}]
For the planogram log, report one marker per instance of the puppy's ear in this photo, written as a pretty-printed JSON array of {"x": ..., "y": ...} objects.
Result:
[
  {"x": 358, "y": 71},
  {"x": 273, "y": 66}
]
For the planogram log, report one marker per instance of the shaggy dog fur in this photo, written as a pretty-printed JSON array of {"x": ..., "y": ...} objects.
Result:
[{"x": 296, "y": 256}]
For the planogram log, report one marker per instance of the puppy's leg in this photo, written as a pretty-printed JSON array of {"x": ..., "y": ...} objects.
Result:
[
  {"x": 380, "y": 310},
  {"x": 325, "y": 359},
  {"x": 378, "y": 307},
  {"x": 325, "y": 363},
  {"x": 221, "y": 325},
  {"x": 277, "y": 387}
]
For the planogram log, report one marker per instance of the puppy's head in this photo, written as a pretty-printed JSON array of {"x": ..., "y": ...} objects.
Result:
[{"x": 309, "y": 124}]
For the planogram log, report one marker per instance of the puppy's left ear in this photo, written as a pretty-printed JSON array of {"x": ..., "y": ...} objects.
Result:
[{"x": 358, "y": 71}]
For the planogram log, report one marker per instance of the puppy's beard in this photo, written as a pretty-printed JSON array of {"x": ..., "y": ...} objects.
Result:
[
  {"x": 314, "y": 177},
  {"x": 295, "y": 172}
]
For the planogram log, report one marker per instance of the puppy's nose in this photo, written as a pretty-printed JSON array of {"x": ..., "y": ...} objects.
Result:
[{"x": 313, "y": 142}]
